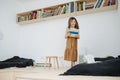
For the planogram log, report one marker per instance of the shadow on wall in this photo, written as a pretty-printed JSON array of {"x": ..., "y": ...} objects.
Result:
[{"x": 1, "y": 35}]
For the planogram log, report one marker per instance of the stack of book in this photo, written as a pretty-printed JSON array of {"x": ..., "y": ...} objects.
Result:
[
  {"x": 23, "y": 18},
  {"x": 103, "y": 3},
  {"x": 89, "y": 5},
  {"x": 74, "y": 32},
  {"x": 28, "y": 16}
]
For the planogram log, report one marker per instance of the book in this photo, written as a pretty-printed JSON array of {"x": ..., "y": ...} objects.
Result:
[
  {"x": 63, "y": 10},
  {"x": 73, "y": 32},
  {"x": 107, "y": 3},
  {"x": 112, "y": 2},
  {"x": 89, "y": 6},
  {"x": 79, "y": 5},
  {"x": 71, "y": 7},
  {"x": 75, "y": 6},
  {"x": 39, "y": 14},
  {"x": 84, "y": 6},
  {"x": 102, "y": 3},
  {"x": 34, "y": 14},
  {"x": 67, "y": 9},
  {"x": 98, "y": 3},
  {"x": 59, "y": 10}
]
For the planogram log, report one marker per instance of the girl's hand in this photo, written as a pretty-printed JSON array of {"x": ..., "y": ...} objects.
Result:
[
  {"x": 78, "y": 37},
  {"x": 67, "y": 34}
]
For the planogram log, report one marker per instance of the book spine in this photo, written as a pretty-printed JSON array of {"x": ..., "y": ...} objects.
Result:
[
  {"x": 72, "y": 7},
  {"x": 96, "y": 3},
  {"x": 107, "y": 3},
  {"x": 89, "y": 6},
  {"x": 67, "y": 8},
  {"x": 63, "y": 10},
  {"x": 83, "y": 6},
  {"x": 102, "y": 3},
  {"x": 112, "y": 2},
  {"x": 19, "y": 19},
  {"x": 75, "y": 6}
]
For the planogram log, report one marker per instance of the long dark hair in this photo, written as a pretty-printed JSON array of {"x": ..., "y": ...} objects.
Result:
[{"x": 69, "y": 21}]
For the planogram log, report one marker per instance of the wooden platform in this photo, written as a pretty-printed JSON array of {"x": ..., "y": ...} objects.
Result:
[{"x": 38, "y": 73}]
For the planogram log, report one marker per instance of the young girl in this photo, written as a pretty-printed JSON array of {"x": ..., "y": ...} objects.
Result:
[{"x": 71, "y": 44}]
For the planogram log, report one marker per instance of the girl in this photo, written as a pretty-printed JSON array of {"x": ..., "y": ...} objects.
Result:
[{"x": 71, "y": 44}]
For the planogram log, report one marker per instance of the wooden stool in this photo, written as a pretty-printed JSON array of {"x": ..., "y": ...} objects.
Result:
[{"x": 55, "y": 58}]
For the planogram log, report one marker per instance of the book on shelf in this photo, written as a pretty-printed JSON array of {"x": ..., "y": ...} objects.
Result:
[
  {"x": 107, "y": 3},
  {"x": 55, "y": 12},
  {"x": 67, "y": 8},
  {"x": 98, "y": 3},
  {"x": 89, "y": 5},
  {"x": 75, "y": 6},
  {"x": 112, "y": 2},
  {"x": 103, "y": 3},
  {"x": 18, "y": 19},
  {"x": 30, "y": 16},
  {"x": 25, "y": 18},
  {"x": 71, "y": 7},
  {"x": 34, "y": 15},
  {"x": 47, "y": 12},
  {"x": 22, "y": 18},
  {"x": 39, "y": 14},
  {"x": 63, "y": 10},
  {"x": 79, "y": 6},
  {"x": 59, "y": 9},
  {"x": 84, "y": 6}
]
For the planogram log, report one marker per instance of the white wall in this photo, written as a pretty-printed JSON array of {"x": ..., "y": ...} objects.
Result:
[
  {"x": 8, "y": 28},
  {"x": 99, "y": 32}
]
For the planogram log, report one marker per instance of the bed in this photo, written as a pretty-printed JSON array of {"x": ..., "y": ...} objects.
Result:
[{"x": 109, "y": 67}]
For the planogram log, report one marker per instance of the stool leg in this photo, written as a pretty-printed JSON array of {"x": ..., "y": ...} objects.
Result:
[
  {"x": 49, "y": 62},
  {"x": 46, "y": 62},
  {"x": 57, "y": 62},
  {"x": 54, "y": 63}
]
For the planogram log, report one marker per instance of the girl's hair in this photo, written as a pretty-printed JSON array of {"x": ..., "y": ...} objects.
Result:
[{"x": 69, "y": 21}]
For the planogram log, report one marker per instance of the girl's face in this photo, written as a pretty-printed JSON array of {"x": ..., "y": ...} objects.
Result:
[{"x": 72, "y": 23}]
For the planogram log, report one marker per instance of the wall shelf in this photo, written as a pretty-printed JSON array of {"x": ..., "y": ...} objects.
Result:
[{"x": 23, "y": 18}]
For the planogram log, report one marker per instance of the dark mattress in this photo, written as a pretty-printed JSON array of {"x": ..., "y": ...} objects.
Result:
[
  {"x": 105, "y": 68},
  {"x": 16, "y": 62}
]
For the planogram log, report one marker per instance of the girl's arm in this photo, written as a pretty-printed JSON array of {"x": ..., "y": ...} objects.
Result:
[
  {"x": 78, "y": 37},
  {"x": 67, "y": 34}
]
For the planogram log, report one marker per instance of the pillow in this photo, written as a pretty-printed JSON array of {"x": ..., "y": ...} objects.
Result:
[
  {"x": 89, "y": 58},
  {"x": 104, "y": 58}
]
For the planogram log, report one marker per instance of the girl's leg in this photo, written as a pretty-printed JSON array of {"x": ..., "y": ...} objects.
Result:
[{"x": 72, "y": 63}]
